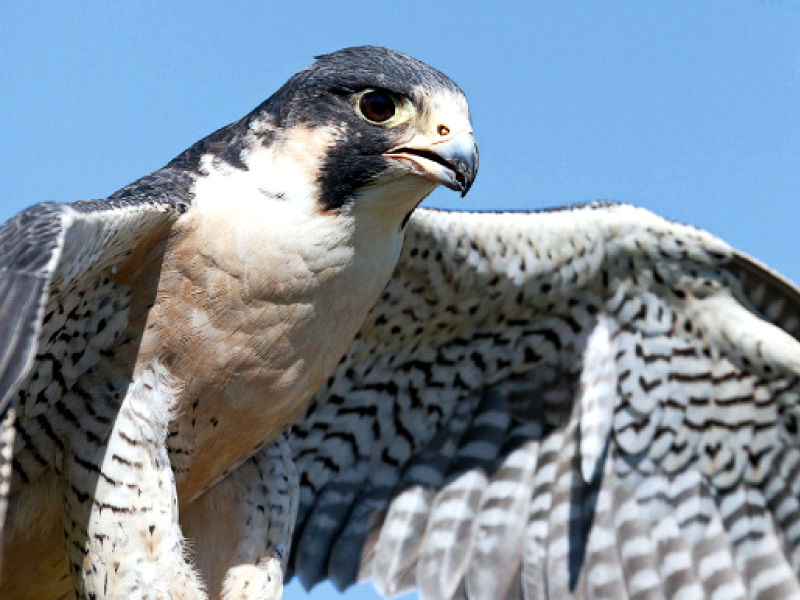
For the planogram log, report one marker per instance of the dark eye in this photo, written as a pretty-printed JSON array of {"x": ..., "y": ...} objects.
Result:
[{"x": 377, "y": 106}]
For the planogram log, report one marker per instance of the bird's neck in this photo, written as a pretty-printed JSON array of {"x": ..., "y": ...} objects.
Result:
[{"x": 258, "y": 299}]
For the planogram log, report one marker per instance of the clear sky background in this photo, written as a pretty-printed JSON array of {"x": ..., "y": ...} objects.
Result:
[{"x": 691, "y": 109}]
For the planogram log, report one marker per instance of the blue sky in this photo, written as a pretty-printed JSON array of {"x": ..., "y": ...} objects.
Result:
[{"x": 691, "y": 109}]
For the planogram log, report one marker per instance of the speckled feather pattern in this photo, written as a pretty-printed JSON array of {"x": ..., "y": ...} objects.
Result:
[
  {"x": 46, "y": 250},
  {"x": 588, "y": 403}
]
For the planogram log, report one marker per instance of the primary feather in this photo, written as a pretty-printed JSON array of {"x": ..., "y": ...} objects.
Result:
[{"x": 591, "y": 402}]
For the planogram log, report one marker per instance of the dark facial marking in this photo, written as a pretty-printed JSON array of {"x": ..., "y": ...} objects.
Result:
[{"x": 325, "y": 94}]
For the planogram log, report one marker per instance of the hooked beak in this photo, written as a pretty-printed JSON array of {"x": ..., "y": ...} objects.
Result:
[{"x": 451, "y": 161}]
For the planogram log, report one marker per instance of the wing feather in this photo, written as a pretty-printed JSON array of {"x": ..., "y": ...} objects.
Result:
[
  {"x": 585, "y": 403},
  {"x": 48, "y": 251}
]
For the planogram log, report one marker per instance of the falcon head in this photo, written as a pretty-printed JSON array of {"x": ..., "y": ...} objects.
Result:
[{"x": 360, "y": 126}]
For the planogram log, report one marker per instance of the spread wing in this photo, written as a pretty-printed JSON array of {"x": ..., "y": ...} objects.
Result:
[
  {"x": 585, "y": 403},
  {"x": 54, "y": 253}
]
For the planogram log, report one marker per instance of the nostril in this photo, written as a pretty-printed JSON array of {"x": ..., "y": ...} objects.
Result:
[{"x": 443, "y": 130}]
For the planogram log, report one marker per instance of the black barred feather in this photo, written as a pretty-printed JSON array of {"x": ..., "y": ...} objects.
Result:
[
  {"x": 61, "y": 246},
  {"x": 584, "y": 403},
  {"x": 587, "y": 403}
]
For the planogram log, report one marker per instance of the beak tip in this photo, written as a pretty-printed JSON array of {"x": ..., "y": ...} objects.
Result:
[
  {"x": 466, "y": 163},
  {"x": 465, "y": 183}
]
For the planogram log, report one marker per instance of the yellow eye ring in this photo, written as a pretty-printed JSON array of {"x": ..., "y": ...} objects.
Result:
[{"x": 384, "y": 108}]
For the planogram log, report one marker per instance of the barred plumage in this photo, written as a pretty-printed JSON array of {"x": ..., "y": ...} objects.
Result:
[{"x": 584, "y": 403}]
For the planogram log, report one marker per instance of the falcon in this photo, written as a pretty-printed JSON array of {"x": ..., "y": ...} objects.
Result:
[
  {"x": 586, "y": 402},
  {"x": 157, "y": 343}
]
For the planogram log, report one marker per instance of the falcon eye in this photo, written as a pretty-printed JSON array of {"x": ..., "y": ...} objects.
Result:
[{"x": 377, "y": 106}]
